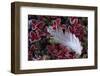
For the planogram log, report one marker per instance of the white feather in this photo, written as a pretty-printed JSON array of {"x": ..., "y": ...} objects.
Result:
[{"x": 67, "y": 39}]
